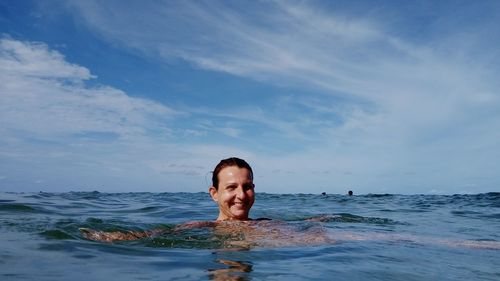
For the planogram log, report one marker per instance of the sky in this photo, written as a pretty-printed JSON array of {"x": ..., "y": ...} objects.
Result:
[{"x": 318, "y": 96}]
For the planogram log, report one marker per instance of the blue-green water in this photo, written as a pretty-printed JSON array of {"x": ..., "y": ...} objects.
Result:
[{"x": 377, "y": 237}]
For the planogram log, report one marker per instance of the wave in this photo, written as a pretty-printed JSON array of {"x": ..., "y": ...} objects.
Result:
[{"x": 17, "y": 208}]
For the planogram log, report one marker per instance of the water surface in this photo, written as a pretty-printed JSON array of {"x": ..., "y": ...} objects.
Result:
[{"x": 375, "y": 237}]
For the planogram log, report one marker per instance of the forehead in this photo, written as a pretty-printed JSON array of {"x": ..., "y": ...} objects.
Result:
[{"x": 235, "y": 173}]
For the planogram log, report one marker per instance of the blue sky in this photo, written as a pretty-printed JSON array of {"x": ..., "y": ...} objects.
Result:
[{"x": 377, "y": 97}]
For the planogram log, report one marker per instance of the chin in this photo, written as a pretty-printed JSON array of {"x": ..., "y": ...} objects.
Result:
[{"x": 240, "y": 216}]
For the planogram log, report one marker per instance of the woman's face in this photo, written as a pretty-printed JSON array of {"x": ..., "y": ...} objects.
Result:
[{"x": 235, "y": 194}]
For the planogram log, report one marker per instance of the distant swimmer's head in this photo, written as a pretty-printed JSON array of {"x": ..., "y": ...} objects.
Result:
[{"x": 233, "y": 189}]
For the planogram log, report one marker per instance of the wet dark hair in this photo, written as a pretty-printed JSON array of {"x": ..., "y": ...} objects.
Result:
[{"x": 229, "y": 162}]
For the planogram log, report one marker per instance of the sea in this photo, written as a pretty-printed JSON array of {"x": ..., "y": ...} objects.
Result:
[{"x": 370, "y": 237}]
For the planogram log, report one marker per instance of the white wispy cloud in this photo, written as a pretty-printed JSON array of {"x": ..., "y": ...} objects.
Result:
[
  {"x": 45, "y": 96},
  {"x": 299, "y": 45},
  {"x": 35, "y": 60}
]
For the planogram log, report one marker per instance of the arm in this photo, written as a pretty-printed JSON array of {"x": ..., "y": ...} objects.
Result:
[
  {"x": 475, "y": 244},
  {"x": 103, "y": 236},
  {"x": 112, "y": 236}
]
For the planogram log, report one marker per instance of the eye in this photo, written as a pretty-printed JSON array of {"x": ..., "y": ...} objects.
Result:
[
  {"x": 231, "y": 187},
  {"x": 248, "y": 186}
]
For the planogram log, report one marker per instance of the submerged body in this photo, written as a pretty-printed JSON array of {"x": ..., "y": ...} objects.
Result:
[
  {"x": 271, "y": 234},
  {"x": 230, "y": 234}
]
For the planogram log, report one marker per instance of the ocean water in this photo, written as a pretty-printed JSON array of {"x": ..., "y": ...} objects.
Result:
[{"x": 310, "y": 237}]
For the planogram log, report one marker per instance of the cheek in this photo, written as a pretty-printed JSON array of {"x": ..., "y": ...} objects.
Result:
[
  {"x": 251, "y": 195},
  {"x": 225, "y": 196}
]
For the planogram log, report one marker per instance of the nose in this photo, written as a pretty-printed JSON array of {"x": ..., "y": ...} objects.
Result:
[{"x": 240, "y": 193}]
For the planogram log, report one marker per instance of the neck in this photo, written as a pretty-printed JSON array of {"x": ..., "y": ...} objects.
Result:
[{"x": 225, "y": 218}]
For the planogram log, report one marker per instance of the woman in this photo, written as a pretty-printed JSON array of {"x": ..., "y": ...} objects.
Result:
[{"x": 232, "y": 189}]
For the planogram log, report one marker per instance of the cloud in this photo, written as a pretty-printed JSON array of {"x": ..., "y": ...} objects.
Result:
[
  {"x": 62, "y": 133},
  {"x": 35, "y": 60},
  {"x": 299, "y": 45},
  {"x": 44, "y": 96}
]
